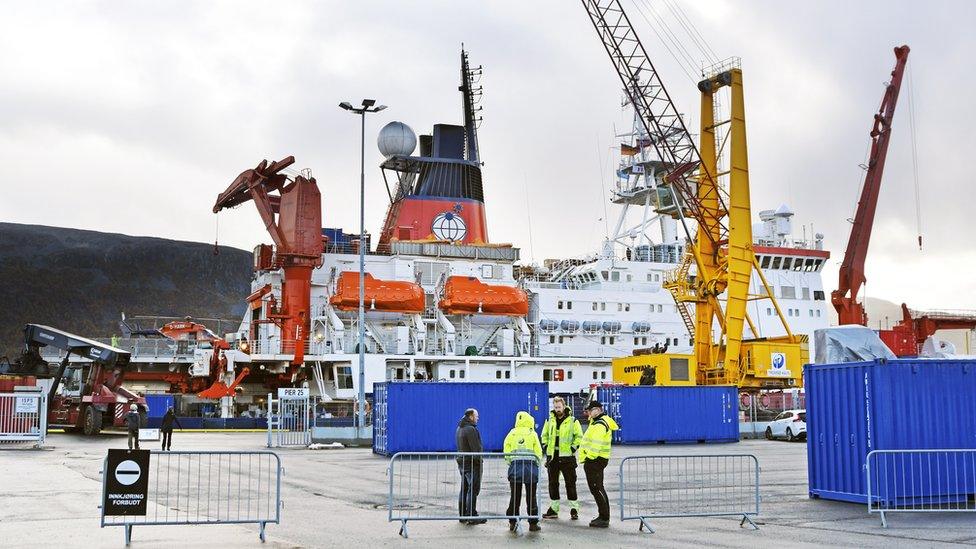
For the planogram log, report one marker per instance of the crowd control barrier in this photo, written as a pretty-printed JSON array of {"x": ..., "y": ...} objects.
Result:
[
  {"x": 654, "y": 487},
  {"x": 205, "y": 487},
  {"x": 464, "y": 487},
  {"x": 921, "y": 481},
  {"x": 23, "y": 417}
]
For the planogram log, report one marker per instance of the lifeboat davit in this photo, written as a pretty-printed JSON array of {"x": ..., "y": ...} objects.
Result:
[
  {"x": 392, "y": 296},
  {"x": 469, "y": 296}
]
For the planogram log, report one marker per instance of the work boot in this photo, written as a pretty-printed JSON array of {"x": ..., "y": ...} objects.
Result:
[
  {"x": 574, "y": 514},
  {"x": 475, "y": 522},
  {"x": 599, "y": 523},
  {"x": 511, "y": 525},
  {"x": 551, "y": 514},
  {"x": 534, "y": 527}
]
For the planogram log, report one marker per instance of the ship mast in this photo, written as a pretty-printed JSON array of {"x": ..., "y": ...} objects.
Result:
[{"x": 471, "y": 97}]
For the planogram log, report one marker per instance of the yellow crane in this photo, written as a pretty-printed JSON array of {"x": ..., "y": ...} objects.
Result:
[{"x": 714, "y": 196}]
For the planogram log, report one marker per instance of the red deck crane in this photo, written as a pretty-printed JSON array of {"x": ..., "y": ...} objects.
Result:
[
  {"x": 844, "y": 298},
  {"x": 294, "y": 220},
  {"x": 907, "y": 337}
]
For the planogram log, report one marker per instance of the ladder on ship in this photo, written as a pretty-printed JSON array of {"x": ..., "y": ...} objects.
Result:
[{"x": 676, "y": 282}]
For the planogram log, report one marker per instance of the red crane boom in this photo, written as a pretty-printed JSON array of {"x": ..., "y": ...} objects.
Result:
[
  {"x": 294, "y": 220},
  {"x": 844, "y": 298}
]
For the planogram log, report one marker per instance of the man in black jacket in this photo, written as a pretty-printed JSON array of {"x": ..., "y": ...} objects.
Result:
[
  {"x": 469, "y": 440},
  {"x": 166, "y": 428},
  {"x": 132, "y": 424}
]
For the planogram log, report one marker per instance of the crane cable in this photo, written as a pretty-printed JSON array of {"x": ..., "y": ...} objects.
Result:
[
  {"x": 682, "y": 64},
  {"x": 914, "y": 138},
  {"x": 216, "y": 248}
]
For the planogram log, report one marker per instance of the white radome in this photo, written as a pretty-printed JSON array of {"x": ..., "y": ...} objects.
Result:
[{"x": 396, "y": 138}]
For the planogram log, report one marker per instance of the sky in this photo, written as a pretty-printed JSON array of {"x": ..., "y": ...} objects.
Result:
[{"x": 131, "y": 117}]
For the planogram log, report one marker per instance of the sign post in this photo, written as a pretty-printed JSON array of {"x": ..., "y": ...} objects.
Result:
[{"x": 126, "y": 483}]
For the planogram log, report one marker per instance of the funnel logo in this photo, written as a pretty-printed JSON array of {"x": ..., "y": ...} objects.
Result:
[
  {"x": 449, "y": 226},
  {"x": 779, "y": 368}
]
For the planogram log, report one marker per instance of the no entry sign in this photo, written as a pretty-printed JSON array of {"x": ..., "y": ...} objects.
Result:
[{"x": 126, "y": 482}]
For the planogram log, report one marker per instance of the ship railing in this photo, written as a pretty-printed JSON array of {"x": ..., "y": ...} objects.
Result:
[
  {"x": 140, "y": 348},
  {"x": 273, "y": 346}
]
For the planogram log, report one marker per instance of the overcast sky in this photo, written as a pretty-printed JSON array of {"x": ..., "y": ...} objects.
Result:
[{"x": 131, "y": 117}]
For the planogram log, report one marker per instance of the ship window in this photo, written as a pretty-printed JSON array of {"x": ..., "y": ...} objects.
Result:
[
  {"x": 498, "y": 374},
  {"x": 344, "y": 377},
  {"x": 569, "y": 374},
  {"x": 789, "y": 312},
  {"x": 594, "y": 305},
  {"x": 486, "y": 271},
  {"x": 594, "y": 375},
  {"x": 769, "y": 311},
  {"x": 811, "y": 313},
  {"x": 787, "y": 263},
  {"x": 615, "y": 276},
  {"x": 660, "y": 308},
  {"x": 451, "y": 374},
  {"x": 606, "y": 275},
  {"x": 643, "y": 341},
  {"x": 559, "y": 305},
  {"x": 546, "y": 374},
  {"x": 810, "y": 264},
  {"x": 603, "y": 375},
  {"x": 552, "y": 339},
  {"x": 818, "y": 313},
  {"x": 603, "y": 306},
  {"x": 611, "y": 340},
  {"x": 765, "y": 262},
  {"x": 461, "y": 374},
  {"x": 508, "y": 374},
  {"x": 630, "y": 277},
  {"x": 805, "y": 293},
  {"x": 603, "y": 340},
  {"x": 650, "y": 277},
  {"x": 787, "y": 292},
  {"x": 569, "y": 304},
  {"x": 776, "y": 262},
  {"x": 560, "y": 339},
  {"x": 818, "y": 295},
  {"x": 626, "y": 307},
  {"x": 675, "y": 341},
  {"x": 636, "y": 342}
]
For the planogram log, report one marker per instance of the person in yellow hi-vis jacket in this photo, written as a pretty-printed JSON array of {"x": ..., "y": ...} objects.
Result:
[
  {"x": 595, "y": 453},
  {"x": 524, "y": 453},
  {"x": 561, "y": 437}
]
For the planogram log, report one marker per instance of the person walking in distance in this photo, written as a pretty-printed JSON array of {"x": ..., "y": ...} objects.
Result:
[
  {"x": 595, "y": 453},
  {"x": 523, "y": 452},
  {"x": 468, "y": 439},
  {"x": 132, "y": 424},
  {"x": 166, "y": 428},
  {"x": 561, "y": 437}
]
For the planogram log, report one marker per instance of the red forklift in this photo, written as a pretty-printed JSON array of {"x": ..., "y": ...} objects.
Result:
[{"x": 86, "y": 395}]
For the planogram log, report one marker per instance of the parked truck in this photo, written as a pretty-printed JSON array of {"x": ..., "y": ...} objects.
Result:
[{"x": 85, "y": 396}]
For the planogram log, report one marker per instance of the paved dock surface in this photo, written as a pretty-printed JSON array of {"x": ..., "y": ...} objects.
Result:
[{"x": 338, "y": 498}]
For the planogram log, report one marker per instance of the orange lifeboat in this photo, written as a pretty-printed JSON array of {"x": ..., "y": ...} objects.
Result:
[
  {"x": 391, "y": 296},
  {"x": 468, "y": 295}
]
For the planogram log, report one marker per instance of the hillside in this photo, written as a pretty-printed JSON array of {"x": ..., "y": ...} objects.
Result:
[{"x": 81, "y": 281}]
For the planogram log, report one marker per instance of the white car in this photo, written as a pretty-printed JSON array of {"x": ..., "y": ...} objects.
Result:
[{"x": 791, "y": 425}]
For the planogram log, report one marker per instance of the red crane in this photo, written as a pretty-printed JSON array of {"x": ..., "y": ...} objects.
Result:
[
  {"x": 907, "y": 337},
  {"x": 844, "y": 298},
  {"x": 293, "y": 217}
]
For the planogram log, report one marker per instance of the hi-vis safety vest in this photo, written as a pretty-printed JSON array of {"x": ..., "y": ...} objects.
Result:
[
  {"x": 569, "y": 432},
  {"x": 596, "y": 439},
  {"x": 522, "y": 439}
]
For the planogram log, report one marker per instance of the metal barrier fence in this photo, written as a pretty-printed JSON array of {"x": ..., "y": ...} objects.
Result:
[
  {"x": 289, "y": 421},
  {"x": 465, "y": 487},
  {"x": 23, "y": 417},
  {"x": 689, "y": 486},
  {"x": 207, "y": 487},
  {"x": 921, "y": 481}
]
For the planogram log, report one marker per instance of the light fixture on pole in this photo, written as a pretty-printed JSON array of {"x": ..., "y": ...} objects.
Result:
[{"x": 368, "y": 106}]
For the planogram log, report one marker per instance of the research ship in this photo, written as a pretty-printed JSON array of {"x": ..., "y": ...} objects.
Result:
[{"x": 442, "y": 301}]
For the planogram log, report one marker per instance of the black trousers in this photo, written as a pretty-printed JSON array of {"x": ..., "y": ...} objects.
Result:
[
  {"x": 133, "y": 439},
  {"x": 515, "y": 499},
  {"x": 566, "y": 466},
  {"x": 470, "y": 488},
  {"x": 594, "y": 479},
  {"x": 167, "y": 439}
]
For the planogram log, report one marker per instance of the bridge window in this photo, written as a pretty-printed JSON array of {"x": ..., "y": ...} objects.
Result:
[
  {"x": 765, "y": 262},
  {"x": 615, "y": 276},
  {"x": 818, "y": 295},
  {"x": 776, "y": 262},
  {"x": 787, "y": 263}
]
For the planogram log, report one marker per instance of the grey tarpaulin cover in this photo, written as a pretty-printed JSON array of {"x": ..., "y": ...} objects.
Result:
[{"x": 851, "y": 343}]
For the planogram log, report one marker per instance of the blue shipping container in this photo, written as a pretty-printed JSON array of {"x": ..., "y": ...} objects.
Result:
[
  {"x": 905, "y": 404},
  {"x": 654, "y": 415},
  {"x": 158, "y": 404},
  {"x": 423, "y": 417}
]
